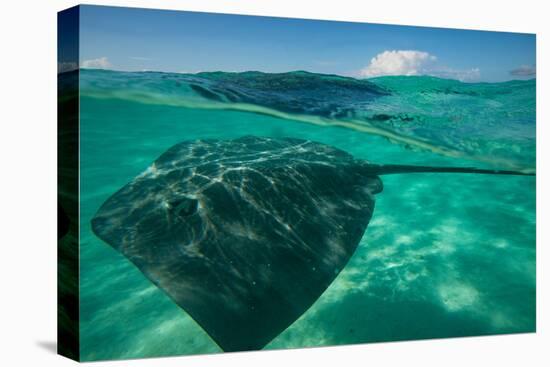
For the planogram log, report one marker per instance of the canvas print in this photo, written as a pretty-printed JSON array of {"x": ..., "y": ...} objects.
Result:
[{"x": 240, "y": 183}]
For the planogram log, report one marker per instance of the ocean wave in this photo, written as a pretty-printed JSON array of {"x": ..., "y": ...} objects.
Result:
[{"x": 489, "y": 122}]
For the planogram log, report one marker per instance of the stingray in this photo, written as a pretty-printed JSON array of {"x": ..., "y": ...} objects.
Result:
[{"x": 246, "y": 234}]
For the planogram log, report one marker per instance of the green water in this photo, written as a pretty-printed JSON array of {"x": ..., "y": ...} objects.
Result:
[{"x": 444, "y": 255}]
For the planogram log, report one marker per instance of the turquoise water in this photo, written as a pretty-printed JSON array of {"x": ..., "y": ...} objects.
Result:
[{"x": 444, "y": 255}]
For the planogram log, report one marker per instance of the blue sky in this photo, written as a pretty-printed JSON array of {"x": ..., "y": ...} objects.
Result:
[{"x": 144, "y": 39}]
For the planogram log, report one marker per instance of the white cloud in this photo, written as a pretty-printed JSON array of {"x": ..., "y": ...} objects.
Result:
[
  {"x": 100, "y": 63},
  {"x": 189, "y": 72},
  {"x": 398, "y": 62},
  {"x": 414, "y": 62},
  {"x": 66, "y": 66},
  {"x": 524, "y": 70}
]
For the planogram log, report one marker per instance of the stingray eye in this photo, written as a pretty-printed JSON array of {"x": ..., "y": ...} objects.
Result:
[{"x": 184, "y": 207}]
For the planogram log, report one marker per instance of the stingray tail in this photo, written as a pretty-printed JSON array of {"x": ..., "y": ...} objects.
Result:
[{"x": 388, "y": 169}]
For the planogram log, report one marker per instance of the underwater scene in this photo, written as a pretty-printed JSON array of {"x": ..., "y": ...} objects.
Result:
[{"x": 228, "y": 211}]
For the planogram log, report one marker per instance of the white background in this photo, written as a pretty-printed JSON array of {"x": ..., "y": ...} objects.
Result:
[{"x": 28, "y": 182}]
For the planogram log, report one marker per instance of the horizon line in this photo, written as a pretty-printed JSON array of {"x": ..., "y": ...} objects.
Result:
[{"x": 293, "y": 71}]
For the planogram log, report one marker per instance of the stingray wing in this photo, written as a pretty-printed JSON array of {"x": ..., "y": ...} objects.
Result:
[{"x": 244, "y": 235}]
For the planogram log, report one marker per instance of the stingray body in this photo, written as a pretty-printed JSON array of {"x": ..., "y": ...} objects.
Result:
[{"x": 246, "y": 234}]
